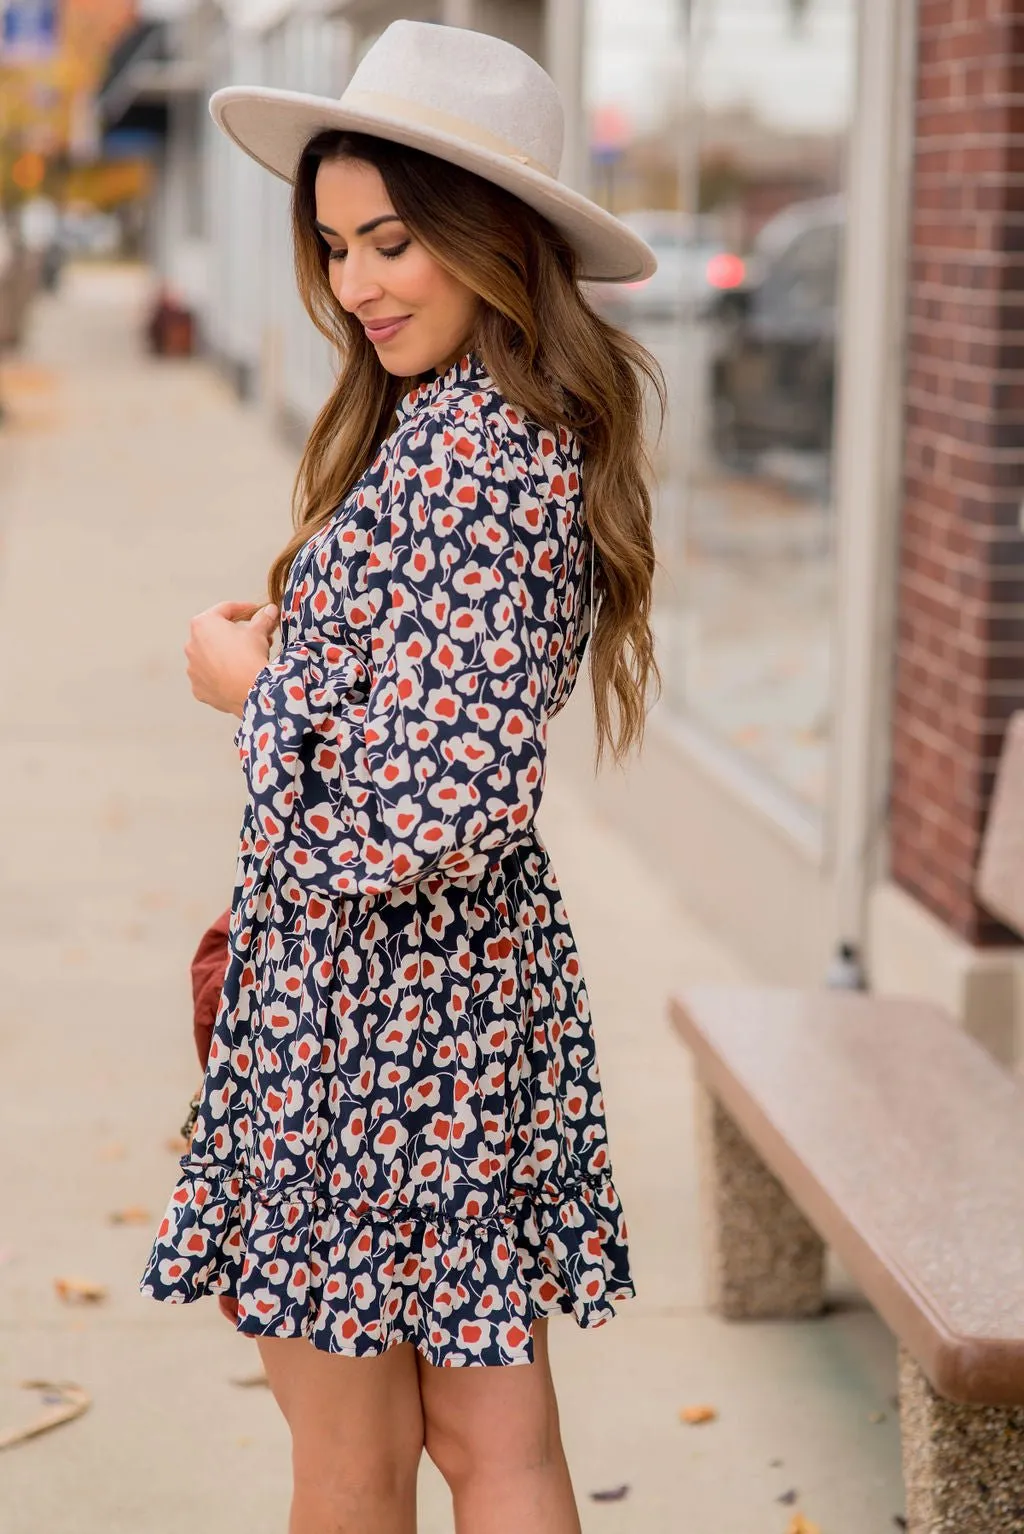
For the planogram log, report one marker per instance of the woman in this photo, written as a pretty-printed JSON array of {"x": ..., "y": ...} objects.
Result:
[{"x": 400, "y": 1166}]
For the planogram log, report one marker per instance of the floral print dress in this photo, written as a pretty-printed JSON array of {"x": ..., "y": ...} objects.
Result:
[{"x": 401, "y": 1132}]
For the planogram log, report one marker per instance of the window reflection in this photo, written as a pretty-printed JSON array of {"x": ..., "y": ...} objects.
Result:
[{"x": 718, "y": 131}]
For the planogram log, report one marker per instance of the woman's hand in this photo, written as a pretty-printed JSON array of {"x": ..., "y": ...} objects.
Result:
[{"x": 228, "y": 647}]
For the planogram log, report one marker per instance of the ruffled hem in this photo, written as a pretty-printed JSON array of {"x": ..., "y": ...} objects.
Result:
[{"x": 355, "y": 1279}]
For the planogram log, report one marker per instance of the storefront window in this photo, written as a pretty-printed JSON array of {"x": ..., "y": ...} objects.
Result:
[{"x": 719, "y": 127}]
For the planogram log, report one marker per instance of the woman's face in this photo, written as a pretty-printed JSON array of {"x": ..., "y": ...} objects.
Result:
[{"x": 418, "y": 316}]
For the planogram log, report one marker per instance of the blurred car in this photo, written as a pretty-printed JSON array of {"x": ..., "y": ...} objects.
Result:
[
  {"x": 774, "y": 370},
  {"x": 694, "y": 268}
]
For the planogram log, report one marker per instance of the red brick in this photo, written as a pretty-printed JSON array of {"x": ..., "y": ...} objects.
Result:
[{"x": 958, "y": 670}]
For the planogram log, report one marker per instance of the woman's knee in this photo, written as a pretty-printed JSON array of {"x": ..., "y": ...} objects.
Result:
[
  {"x": 350, "y": 1488},
  {"x": 464, "y": 1451},
  {"x": 320, "y": 1463},
  {"x": 357, "y": 1434},
  {"x": 493, "y": 1427}
]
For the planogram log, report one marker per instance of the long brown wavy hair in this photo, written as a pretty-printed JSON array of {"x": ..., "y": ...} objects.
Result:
[{"x": 549, "y": 353}]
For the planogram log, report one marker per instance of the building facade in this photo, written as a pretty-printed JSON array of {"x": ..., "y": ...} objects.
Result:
[{"x": 836, "y": 194}]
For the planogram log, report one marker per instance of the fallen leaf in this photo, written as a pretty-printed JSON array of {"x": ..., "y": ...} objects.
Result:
[
  {"x": 616, "y": 1494},
  {"x": 134, "y": 1214},
  {"x": 79, "y": 1291},
  {"x": 69, "y": 1402},
  {"x": 694, "y": 1415},
  {"x": 876, "y": 1416},
  {"x": 788, "y": 1498},
  {"x": 801, "y": 1525},
  {"x": 246, "y": 1381}
]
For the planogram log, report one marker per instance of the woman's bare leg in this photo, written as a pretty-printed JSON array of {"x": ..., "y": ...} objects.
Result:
[
  {"x": 357, "y": 1436},
  {"x": 494, "y": 1436}
]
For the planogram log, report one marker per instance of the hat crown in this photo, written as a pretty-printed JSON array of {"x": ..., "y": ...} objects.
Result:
[{"x": 486, "y": 82}]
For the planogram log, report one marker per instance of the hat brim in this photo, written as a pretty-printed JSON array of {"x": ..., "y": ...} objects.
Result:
[{"x": 274, "y": 126}]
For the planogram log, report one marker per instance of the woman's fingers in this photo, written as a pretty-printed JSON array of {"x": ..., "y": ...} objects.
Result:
[
  {"x": 264, "y": 621},
  {"x": 227, "y": 648},
  {"x": 234, "y": 612}
]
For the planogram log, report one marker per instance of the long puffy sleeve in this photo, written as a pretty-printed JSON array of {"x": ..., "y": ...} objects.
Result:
[{"x": 425, "y": 754}]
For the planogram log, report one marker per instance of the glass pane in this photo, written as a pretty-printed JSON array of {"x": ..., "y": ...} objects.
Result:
[{"x": 718, "y": 129}]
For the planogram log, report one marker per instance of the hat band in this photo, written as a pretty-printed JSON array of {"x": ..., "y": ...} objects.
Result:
[{"x": 416, "y": 115}]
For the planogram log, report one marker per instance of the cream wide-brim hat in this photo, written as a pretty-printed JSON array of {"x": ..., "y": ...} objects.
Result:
[{"x": 465, "y": 97}]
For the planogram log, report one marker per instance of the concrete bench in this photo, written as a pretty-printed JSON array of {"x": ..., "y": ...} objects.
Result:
[{"x": 878, "y": 1127}]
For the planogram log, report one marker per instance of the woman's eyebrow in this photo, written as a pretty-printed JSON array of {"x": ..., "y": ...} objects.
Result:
[{"x": 374, "y": 223}]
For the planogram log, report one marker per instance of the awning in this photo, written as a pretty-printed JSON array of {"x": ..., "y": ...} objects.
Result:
[{"x": 143, "y": 76}]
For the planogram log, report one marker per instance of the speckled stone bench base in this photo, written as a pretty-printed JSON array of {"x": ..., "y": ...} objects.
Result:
[
  {"x": 963, "y": 1466},
  {"x": 762, "y": 1258}
]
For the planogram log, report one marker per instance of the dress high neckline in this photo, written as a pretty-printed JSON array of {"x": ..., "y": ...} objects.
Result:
[{"x": 467, "y": 371}]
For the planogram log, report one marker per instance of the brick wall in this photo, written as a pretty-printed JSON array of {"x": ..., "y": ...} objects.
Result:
[{"x": 959, "y": 667}]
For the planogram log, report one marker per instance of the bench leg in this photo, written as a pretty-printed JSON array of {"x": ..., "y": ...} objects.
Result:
[
  {"x": 963, "y": 1466},
  {"x": 762, "y": 1258}
]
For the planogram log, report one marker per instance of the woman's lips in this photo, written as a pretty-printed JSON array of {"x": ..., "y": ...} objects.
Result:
[{"x": 383, "y": 330}]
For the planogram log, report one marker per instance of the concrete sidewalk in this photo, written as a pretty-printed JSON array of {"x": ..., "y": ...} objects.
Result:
[{"x": 132, "y": 494}]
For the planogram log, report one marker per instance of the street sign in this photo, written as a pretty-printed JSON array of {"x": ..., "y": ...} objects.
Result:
[{"x": 29, "y": 30}]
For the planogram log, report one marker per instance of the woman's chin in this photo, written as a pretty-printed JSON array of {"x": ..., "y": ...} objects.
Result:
[{"x": 400, "y": 358}]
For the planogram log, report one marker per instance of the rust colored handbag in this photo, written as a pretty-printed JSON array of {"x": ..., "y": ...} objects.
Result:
[
  {"x": 208, "y": 969},
  {"x": 209, "y": 966}
]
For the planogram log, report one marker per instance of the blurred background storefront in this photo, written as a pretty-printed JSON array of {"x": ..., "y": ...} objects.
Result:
[{"x": 763, "y": 149}]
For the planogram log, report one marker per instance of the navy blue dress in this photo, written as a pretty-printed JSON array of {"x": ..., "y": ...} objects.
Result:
[{"x": 401, "y": 1134}]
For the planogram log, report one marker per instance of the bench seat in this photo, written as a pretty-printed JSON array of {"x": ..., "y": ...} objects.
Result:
[{"x": 879, "y": 1127}]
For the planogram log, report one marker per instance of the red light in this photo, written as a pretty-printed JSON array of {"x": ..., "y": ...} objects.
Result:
[{"x": 726, "y": 271}]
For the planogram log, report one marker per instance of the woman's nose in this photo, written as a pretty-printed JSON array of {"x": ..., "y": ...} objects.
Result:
[{"x": 356, "y": 287}]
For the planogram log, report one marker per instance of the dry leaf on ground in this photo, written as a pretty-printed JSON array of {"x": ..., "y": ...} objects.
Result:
[
  {"x": 71, "y": 1402},
  {"x": 134, "y": 1214},
  {"x": 615, "y": 1494},
  {"x": 801, "y": 1525},
  {"x": 248, "y": 1380},
  {"x": 693, "y": 1416},
  {"x": 79, "y": 1291}
]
